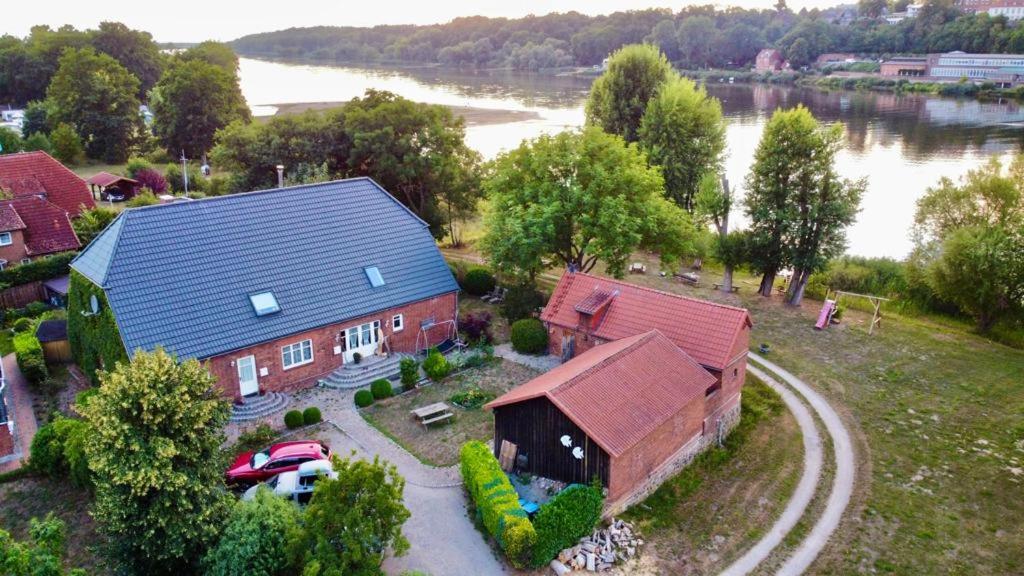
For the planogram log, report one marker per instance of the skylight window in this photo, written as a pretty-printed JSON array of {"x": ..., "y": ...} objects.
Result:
[
  {"x": 373, "y": 274},
  {"x": 264, "y": 303}
]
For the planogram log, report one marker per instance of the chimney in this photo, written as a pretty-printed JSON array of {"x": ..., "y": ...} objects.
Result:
[{"x": 280, "y": 175}]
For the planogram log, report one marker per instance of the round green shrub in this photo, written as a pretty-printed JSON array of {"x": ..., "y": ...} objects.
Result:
[
  {"x": 436, "y": 365},
  {"x": 364, "y": 398},
  {"x": 293, "y": 419},
  {"x": 478, "y": 281},
  {"x": 47, "y": 451},
  {"x": 22, "y": 325},
  {"x": 529, "y": 336},
  {"x": 311, "y": 415},
  {"x": 410, "y": 370},
  {"x": 381, "y": 389}
]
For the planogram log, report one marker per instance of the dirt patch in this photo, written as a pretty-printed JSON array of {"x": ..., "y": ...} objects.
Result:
[{"x": 439, "y": 445}]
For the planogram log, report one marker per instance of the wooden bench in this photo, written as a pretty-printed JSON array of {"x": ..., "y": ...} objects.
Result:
[
  {"x": 432, "y": 413},
  {"x": 437, "y": 418},
  {"x": 734, "y": 290},
  {"x": 692, "y": 280}
]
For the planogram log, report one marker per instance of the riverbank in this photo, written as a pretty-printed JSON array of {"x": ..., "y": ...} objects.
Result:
[{"x": 473, "y": 116}]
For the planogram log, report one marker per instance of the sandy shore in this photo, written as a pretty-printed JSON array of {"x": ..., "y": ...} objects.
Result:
[{"x": 472, "y": 116}]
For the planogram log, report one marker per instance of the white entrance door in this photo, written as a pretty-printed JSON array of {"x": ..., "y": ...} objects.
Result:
[
  {"x": 247, "y": 382},
  {"x": 362, "y": 339}
]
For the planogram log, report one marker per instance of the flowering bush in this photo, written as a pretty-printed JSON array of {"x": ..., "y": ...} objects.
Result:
[{"x": 149, "y": 178}]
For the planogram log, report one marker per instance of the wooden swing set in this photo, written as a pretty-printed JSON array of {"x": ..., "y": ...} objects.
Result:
[{"x": 876, "y": 302}]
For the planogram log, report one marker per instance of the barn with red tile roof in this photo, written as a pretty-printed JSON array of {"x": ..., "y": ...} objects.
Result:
[
  {"x": 625, "y": 412},
  {"x": 28, "y": 174}
]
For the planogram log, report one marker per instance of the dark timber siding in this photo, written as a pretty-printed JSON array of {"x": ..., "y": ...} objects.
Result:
[{"x": 536, "y": 427}]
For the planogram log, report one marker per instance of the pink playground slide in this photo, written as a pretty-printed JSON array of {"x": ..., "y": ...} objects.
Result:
[{"x": 826, "y": 314}]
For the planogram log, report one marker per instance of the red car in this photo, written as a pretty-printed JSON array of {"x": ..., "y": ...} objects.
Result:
[{"x": 252, "y": 467}]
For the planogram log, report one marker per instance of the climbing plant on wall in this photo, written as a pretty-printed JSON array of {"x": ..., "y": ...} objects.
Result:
[{"x": 95, "y": 340}]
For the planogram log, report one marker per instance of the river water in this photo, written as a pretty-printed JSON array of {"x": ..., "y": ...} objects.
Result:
[{"x": 900, "y": 144}]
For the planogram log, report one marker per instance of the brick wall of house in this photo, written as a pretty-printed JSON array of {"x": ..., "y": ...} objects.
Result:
[
  {"x": 636, "y": 464},
  {"x": 584, "y": 341},
  {"x": 6, "y": 441},
  {"x": 14, "y": 252},
  {"x": 325, "y": 361}
]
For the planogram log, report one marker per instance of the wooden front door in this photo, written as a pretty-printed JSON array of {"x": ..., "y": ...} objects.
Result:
[{"x": 247, "y": 381}]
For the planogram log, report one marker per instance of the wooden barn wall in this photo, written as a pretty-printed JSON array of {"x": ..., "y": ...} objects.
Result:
[{"x": 536, "y": 427}]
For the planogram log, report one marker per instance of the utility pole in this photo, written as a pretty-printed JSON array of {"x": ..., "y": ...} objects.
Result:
[{"x": 184, "y": 171}]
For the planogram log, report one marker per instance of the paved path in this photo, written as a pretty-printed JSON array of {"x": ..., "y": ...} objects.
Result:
[
  {"x": 442, "y": 538},
  {"x": 541, "y": 363},
  {"x": 19, "y": 404},
  {"x": 842, "y": 485}
]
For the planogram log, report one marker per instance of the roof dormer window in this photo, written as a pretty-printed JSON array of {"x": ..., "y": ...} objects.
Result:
[
  {"x": 264, "y": 303},
  {"x": 373, "y": 275}
]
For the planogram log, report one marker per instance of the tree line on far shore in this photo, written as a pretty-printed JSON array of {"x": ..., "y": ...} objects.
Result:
[{"x": 695, "y": 37}]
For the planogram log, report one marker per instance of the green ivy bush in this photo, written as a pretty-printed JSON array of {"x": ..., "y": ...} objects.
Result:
[
  {"x": 436, "y": 365},
  {"x": 496, "y": 502},
  {"x": 22, "y": 325},
  {"x": 563, "y": 520},
  {"x": 95, "y": 340},
  {"x": 58, "y": 450},
  {"x": 478, "y": 281},
  {"x": 311, "y": 415},
  {"x": 293, "y": 419},
  {"x": 410, "y": 371},
  {"x": 29, "y": 354},
  {"x": 364, "y": 398},
  {"x": 529, "y": 336},
  {"x": 381, "y": 389}
]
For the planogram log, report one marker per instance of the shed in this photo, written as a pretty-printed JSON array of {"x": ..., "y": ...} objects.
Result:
[
  {"x": 53, "y": 336},
  {"x": 57, "y": 290},
  {"x": 625, "y": 412},
  {"x": 105, "y": 185}
]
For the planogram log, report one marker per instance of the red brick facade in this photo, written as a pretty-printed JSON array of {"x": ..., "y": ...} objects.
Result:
[
  {"x": 6, "y": 441},
  {"x": 15, "y": 251},
  {"x": 326, "y": 346}
]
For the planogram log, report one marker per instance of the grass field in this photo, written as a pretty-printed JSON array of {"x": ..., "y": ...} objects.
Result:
[
  {"x": 33, "y": 497},
  {"x": 714, "y": 509},
  {"x": 439, "y": 445}
]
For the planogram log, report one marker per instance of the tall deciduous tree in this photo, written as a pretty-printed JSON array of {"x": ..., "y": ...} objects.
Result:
[
  {"x": 217, "y": 53},
  {"x": 193, "y": 100},
  {"x": 683, "y": 132},
  {"x": 619, "y": 97},
  {"x": 798, "y": 208},
  {"x": 578, "y": 198},
  {"x": 257, "y": 539},
  {"x": 157, "y": 429},
  {"x": 352, "y": 521},
  {"x": 696, "y": 34},
  {"x": 714, "y": 202},
  {"x": 97, "y": 96},
  {"x": 134, "y": 49}
]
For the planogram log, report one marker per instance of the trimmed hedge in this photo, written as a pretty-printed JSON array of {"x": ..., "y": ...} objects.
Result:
[
  {"x": 563, "y": 520},
  {"x": 30, "y": 357},
  {"x": 436, "y": 365},
  {"x": 364, "y": 398},
  {"x": 381, "y": 389},
  {"x": 529, "y": 336},
  {"x": 293, "y": 419},
  {"x": 478, "y": 281},
  {"x": 311, "y": 415},
  {"x": 37, "y": 270},
  {"x": 410, "y": 370},
  {"x": 58, "y": 450},
  {"x": 497, "y": 504}
]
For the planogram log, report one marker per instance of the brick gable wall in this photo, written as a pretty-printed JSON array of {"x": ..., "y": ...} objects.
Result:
[
  {"x": 16, "y": 250},
  {"x": 325, "y": 361},
  {"x": 6, "y": 441}
]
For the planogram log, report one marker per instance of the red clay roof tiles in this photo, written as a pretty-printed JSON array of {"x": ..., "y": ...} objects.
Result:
[
  {"x": 37, "y": 173},
  {"x": 9, "y": 219},
  {"x": 619, "y": 392},
  {"x": 47, "y": 227},
  {"x": 707, "y": 331}
]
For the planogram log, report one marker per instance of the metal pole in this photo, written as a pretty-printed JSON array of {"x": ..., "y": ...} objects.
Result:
[{"x": 184, "y": 171}]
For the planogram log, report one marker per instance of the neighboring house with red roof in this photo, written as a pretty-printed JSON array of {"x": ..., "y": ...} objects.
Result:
[
  {"x": 28, "y": 174},
  {"x": 32, "y": 227},
  {"x": 631, "y": 412}
]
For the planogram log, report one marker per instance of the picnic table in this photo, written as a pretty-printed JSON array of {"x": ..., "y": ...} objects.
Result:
[{"x": 431, "y": 413}]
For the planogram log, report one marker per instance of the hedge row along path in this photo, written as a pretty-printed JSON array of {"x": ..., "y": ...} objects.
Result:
[{"x": 794, "y": 393}]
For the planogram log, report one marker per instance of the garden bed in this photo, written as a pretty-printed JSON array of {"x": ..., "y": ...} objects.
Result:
[{"x": 440, "y": 443}]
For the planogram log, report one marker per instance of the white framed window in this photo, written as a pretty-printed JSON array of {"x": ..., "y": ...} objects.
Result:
[
  {"x": 26, "y": 260},
  {"x": 297, "y": 354},
  {"x": 5, "y": 239},
  {"x": 397, "y": 323}
]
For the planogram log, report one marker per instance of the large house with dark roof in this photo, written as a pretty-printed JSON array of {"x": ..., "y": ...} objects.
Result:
[
  {"x": 272, "y": 290},
  {"x": 38, "y": 198}
]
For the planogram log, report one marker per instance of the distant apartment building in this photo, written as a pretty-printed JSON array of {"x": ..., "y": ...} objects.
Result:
[
  {"x": 1012, "y": 9},
  {"x": 1003, "y": 69},
  {"x": 897, "y": 17}
]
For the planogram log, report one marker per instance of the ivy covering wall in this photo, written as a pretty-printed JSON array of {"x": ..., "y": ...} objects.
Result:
[{"x": 95, "y": 340}]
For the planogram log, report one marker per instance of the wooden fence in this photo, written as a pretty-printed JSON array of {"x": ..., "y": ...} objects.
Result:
[{"x": 20, "y": 296}]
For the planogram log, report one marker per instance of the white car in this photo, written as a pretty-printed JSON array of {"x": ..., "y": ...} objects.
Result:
[{"x": 298, "y": 484}]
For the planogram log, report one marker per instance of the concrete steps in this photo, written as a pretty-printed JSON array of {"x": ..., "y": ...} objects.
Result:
[
  {"x": 259, "y": 406},
  {"x": 361, "y": 375}
]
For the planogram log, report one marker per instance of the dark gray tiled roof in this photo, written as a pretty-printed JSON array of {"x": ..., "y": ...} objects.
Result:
[{"x": 180, "y": 275}]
